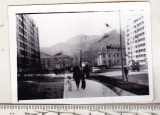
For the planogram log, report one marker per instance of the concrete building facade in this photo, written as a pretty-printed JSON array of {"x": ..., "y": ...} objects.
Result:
[
  {"x": 135, "y": 37},
  {"x": 110, "y": 55},
  {"x": 28, "y": 52},
  {"x": 49, "y": 62}
]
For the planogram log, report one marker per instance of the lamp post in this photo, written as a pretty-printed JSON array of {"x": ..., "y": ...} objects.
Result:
[
  {"x": 121, "y": 45},
  {"x": 80, "y": 61}
]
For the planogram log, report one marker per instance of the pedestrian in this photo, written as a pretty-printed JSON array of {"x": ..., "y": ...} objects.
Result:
[
  {"x": 55, "y": 71},
  {"x": 83, "y": 82},
  {"x": 86, "y": 71},
  {"x": 126, "y": 71},
  {"x": 76, "y": 76},
  {"x": 69, "y": 83}
]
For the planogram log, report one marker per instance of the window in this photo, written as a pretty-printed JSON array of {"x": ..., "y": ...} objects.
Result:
[
  {"x": 141, "y": 17},
  {"x": 104, "y": 56},
  {"x": 22, "y": 52},
  {"x": 135, "y": 31},
  {"x": 21, "y": 45},
  {"x": 142, "y": 33},
  {"x": 25, "y": 27},
  {"x": 24, "y": 19}
]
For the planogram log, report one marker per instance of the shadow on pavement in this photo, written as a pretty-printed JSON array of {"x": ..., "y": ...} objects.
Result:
[{"x": 134, "y": 88}]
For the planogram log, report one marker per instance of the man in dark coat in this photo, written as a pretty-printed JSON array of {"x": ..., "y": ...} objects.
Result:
[
  {"x": 86, "y": 71},
  {"x": 77, "y": 76}
]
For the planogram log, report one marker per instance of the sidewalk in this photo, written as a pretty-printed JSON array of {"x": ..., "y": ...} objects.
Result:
[{"x": 93, "y": 89}]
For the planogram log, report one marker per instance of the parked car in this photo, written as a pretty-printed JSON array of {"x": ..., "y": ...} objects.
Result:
[
  {"x": 135, "y": 66},
  {"x": 96, "y": 70}
]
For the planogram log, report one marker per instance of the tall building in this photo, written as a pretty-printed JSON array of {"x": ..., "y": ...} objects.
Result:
[
  {"x": 28, "y": 52},
  {"x": 136, "y": 40},
  {"x": 110, "y": 55}
]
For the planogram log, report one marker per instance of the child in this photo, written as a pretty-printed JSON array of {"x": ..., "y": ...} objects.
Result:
[{"x": 69, "y": 82}]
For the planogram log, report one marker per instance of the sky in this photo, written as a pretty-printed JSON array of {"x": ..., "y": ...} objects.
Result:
[
  {"x": 54, "y": 28},
  {"x": 59, "y": 27}
]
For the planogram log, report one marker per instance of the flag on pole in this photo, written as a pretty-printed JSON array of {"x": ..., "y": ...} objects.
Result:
[{"x": 107, "y": 25}]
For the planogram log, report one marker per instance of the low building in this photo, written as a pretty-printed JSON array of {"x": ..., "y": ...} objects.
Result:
[{"x": 110, "y": 55}]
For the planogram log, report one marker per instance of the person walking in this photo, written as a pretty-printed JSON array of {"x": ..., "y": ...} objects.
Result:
[
  {"x": 126, "y": 71},
  {"x": 83, "y": 82},
  {"x": 76, "y": 76},
  {"x": 86, "y": 71}
]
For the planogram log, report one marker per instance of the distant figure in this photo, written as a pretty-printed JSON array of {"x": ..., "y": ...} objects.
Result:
[
  {"x": 55, "y": 71},
  {"x": 126, "y": 73},
  {"x": 77, "y": 76},
  {"x": 69, "y": 83},
  {"x": 86, "y": 71}
]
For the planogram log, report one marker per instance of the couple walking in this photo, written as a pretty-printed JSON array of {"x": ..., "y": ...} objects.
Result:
[{"x": 79, "y": 76}]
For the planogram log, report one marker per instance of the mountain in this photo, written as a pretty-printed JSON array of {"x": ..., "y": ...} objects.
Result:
[
  {"x": 72, "y": 45},
  {"x": 90, "y": 45}
]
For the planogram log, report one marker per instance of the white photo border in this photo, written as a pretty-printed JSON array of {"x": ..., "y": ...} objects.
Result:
[{"x": 13, "y": 10}]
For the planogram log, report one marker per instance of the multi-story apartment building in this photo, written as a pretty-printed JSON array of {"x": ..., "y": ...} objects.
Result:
[
  {"x": 28, "y": 52},
  {"x": 136, "y": 40},
  {"x": 51, "y": 62},
  {"x": 110, "y": 55},
  {"x": 48, "y": 62}
]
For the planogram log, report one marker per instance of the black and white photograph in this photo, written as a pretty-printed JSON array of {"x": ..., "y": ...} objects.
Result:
[{"x": 78, "y": 51}]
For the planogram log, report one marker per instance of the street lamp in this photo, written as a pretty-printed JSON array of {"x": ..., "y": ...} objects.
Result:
[
  {"x": 80, "y": 61},
  {"x": 121, "y": 45}
]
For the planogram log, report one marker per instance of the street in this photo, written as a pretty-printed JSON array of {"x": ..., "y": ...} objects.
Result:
[{"x": 140, "y": 77}]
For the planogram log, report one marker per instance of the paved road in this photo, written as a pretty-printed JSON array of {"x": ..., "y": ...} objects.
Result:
[
  {"x": 93, "y": 89},
  {"x": 140, "y": 77},
  {"x": 119, "y": 73}
]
